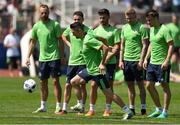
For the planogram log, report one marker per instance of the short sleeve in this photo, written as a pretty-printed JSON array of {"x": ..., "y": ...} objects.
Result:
[
  {"x": 144, "y": 32},
  {"x": 117, "y": 36},
  {"x": 93, "y": 43},
  {"x": 34, "y": 32},
  {"x": 122, "y": 33},
  {"x": 167, "y": 35},
  {"x": 67, "y": 31},
  {"x": 58, "y": 29}
]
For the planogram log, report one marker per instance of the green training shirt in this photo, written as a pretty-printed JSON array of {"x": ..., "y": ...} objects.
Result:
[
  {"x": 47, "y": 34},
  {"x": 92, "y": 54},
  {"x": 159, "y": 38},
  {"x": 133, "y": 36},
  {"x": 175, "y": 32},
  {"x": 75, "y": 57},
  {"x": 111, "y": 34}
]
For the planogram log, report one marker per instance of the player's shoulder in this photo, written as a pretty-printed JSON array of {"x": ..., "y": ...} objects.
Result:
[
  {"x": 37, "y": 24},
  {"x": 125, "y": 26},
  {"x": 86, "y": 28},
  {"x": 54, "y": 22},
  {"x": 142, "y": 26},
  {"x": 90, "y": 35},
  {"x": 68, "y": 28},
  {"x": 164, "y": 27},
  {"x": 113, "y": 28},
  {"x": 97, "y": 27},
  {"x": 168, "y": 24}
]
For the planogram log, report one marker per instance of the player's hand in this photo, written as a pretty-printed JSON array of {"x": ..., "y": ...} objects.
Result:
[
  {"x": 27, "y": 62},
  {"x": 140, "y": 65},
  {"x": 164, "y": 66},
  {"x": 121, "y": 65},
  {"x": 102, "y": 69},
  {"x": 145, "y": 63}
]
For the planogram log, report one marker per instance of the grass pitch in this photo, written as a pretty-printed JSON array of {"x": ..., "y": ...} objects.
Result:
[{"x": 16, "y": 106}]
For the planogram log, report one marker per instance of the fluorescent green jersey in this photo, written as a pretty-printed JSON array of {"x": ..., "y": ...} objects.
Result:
[
  {"x": 75, "y": 57},
  {"x": 133, "y": 36},
  {"x": 47, "y": 34},
  {"x": 175, "y": 32},
  {"x": 92, "y": 54},
  {"x": 111, "y": 34},
  {"x": 159, "y": 38}
]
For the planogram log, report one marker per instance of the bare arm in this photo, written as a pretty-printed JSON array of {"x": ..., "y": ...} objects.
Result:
[
  {"x": 147, "y": 57},
  {"x": 30, "y": 51},
  {"x": 103, "y": 40},
  {"x": 66, "y": 41},
  {"x": 169, "y": 54},
  {"x": 145, "y": 44},
  {"x": 121, "y": 54},
  {"x": 112, "y": 51},
  {"x": 105, "y": 49},
  {"x": 61, "y": 46},
  {"x": 170, "y": 50}
]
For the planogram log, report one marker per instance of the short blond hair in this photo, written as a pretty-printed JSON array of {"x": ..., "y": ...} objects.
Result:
[{"x": 130, "y": 11}]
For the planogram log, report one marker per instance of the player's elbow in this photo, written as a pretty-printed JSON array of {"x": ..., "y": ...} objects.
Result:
[
  {"x": 171, "y": 43},
  {"x": 105, "y": 48}
]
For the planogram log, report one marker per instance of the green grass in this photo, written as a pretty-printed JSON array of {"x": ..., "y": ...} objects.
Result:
[{"x": 16, "y": 106}]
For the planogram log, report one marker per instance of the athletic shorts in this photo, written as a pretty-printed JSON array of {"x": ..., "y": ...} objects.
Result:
[
  {"x": 49, "y": 68},
  {"x": 73, "y": 71},
  {"x": 100, "y": 80},
  {"x": 156, "y": 74},
  {"x": 110, "y": 71},
  {"x": 131, "y": 72},
  {"x": 13, "y": 61}
]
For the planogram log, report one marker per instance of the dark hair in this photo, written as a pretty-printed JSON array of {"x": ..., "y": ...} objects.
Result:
[
  {"x": 76, "y": 25},
  {"x": 44, "y": 6},
  {"x": 152, "y": 13},
  {"x": 104, "y": 11},
  {"x": 79, "y": 13}
]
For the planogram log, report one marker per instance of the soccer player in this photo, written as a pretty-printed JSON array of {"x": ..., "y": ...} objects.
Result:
[
  {"x": 112, "y": 35},
  {"x": 174, "y": 28},
  {"x": 134, "y": 43},
  {"x": 95, "y": 63},
  {"x": 76, "y": 64},
  {"x": 158, "y": 70},
  {"x": 48, "y": 33}
]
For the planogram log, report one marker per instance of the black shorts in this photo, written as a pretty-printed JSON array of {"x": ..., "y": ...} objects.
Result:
[
  {"x": 13, "y": 61},
  {"x": 131, "y": 72},
  {"x": 49, "y": 68},
  {"x": 100, "y": 80},
  {"x": 156, "y": 74},
  {"x": 110, "y": 71},
  {"x": 73, "y": 71}
]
